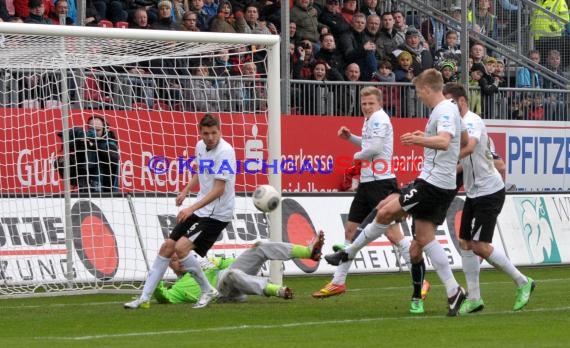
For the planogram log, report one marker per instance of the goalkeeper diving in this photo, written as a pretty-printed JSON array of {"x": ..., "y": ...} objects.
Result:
[{"x": 235, "y": 278}]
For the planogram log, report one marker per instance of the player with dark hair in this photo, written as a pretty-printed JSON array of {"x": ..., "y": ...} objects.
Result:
[
  {"x": 485, "y": 193},
  {"x": 199, "y": 225},
  {"x": 429, "y": 197}
]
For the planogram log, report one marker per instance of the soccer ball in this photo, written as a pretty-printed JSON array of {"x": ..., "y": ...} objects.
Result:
[{"x": 266, "y": 198}]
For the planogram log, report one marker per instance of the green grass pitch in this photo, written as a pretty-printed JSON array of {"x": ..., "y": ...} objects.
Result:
[{"x": 373, "y": 313}]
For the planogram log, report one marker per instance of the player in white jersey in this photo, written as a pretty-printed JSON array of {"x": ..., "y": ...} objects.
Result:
[
  {"x": 428, "y": 199},
  {"x": 376, "y": 183},
  {"x": 199, "y": 225},
  {"x": 485, "y": 193}
]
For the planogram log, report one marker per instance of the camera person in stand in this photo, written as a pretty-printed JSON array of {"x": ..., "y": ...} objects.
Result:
[{"x": 94, "y": 157}]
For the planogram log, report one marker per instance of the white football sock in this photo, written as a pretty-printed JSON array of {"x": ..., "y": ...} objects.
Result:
[
  {"x": 440, "y": 262},
  {"x": 404, "y": 250},
  {"x": 191, "y": 264},
  {"x": 500, "y": 261},
  {"x": 370, "y": 233},
  {"x": 471, "y": 270},
  {"x": 341, "y": 273},
  {"x": 154, "y": 276}
]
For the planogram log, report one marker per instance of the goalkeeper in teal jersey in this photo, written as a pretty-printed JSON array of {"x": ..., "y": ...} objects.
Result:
[{"x": 235, "y": 278}]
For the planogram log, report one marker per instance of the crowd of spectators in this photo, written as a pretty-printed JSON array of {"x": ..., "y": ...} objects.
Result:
[{"x": 350, "y": 40}]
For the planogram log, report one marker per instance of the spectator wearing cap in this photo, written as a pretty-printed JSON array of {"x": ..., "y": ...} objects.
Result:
[
  {"x": 331, "y": 17},
  {"x": 306, "y": 18},
  {"x": 421, "y": 57},
  {"x": 448, "y": 71},
  {"x": 224, "y": 21},
  {"x": 36, "y": 13},
  {"x": 348, "y": 9},
  {"x": 22, "y": 8},
  {"x": 164, "y": 20}
]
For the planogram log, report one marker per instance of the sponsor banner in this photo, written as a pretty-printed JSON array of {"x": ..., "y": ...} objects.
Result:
[
  {"x": 529, "y": 149},
  {"x": 532, "y": 149},
  {"x": 315, "y": 138},
  {"x": 32, "y": 147},
  {"x": 143, "y": 135},
  {"x": 33, "y": 242},
  {"x": 536, "y": 229},
  {"x": 106, "y": 243}
]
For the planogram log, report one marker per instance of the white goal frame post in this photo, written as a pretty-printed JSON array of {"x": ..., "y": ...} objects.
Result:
[{"x": 71, "y": 56}]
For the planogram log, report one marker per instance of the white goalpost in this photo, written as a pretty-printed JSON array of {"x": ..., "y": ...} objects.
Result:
[{"x": 98, "y": 133}]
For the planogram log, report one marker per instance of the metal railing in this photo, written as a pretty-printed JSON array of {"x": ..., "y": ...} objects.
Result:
[{"x": 104, "y": 90}]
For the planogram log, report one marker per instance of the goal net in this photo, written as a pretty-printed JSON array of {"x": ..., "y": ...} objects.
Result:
[{"x": 98, "y": 133}]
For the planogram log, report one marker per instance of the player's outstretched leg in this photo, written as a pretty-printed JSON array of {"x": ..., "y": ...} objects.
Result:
[
  {"x": 316, "y": 246},
  {"x": 329, "y": 290},
  {"x": 284, "y": 292}
]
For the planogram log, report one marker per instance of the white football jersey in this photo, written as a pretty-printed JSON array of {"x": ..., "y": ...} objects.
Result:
[
  {"x": 440, "y": 167},
  {"x": 218, "y": 163},
  {"x": 378, "y": 125},
  {"x": 480, "y": 177}
]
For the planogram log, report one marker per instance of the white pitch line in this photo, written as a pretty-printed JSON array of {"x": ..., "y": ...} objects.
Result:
[{"x": 287, "y": 325}]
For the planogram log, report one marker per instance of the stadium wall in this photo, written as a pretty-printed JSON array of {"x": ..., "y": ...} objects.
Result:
[{"x": 533, "y": 229}]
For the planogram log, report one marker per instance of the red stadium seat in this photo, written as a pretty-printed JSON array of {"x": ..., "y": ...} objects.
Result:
[
  {"x": 105, "y": 23},
  {"x": 122, "y": 25}
]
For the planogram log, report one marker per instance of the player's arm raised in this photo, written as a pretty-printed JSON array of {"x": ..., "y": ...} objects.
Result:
[{"x": 346, "y": 134}]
